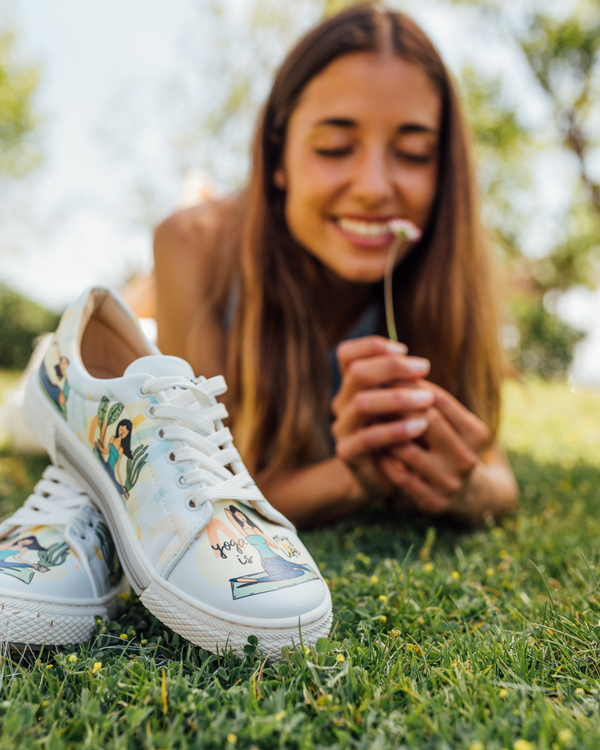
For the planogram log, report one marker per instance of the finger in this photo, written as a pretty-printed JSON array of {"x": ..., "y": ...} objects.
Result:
[
  {"x": 365, "y": 347},
  {"x": 365, "y": 406},
  {"x": 444, "y": 472},
  {"x": 475, "y": 432},
  {"x": 375, "y": 372},
  {"x": 443, "y": 440},
  {"x": 425, "y": 497},
  {"x": 378, "y": 436}
]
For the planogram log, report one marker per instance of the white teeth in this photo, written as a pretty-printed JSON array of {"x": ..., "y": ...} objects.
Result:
[{"x": 364, "y": 228}]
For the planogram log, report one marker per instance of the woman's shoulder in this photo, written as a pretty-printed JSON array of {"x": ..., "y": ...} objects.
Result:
[{"x": 196, "y": 231}]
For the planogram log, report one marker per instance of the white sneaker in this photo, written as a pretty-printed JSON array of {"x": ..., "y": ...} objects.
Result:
[
  {"x": 207, "y": 554},
  {"x": 58, "y": 566}
]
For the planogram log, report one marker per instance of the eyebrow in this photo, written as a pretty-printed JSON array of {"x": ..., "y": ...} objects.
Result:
[{"x": 409, "y": 127}]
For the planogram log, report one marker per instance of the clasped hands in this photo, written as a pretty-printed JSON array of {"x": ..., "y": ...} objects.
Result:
[{"x": 399, "y": 433}]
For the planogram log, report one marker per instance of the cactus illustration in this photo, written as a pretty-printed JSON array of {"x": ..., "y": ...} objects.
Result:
[
  {"x": 102, "y": 411},
  {"x": 108, "y": 551},
  {"x": 54, "y": 555},
  {"x": 114, "y": 413},
  {"x": 101, "y": 415},
  {"x": 135, "y": 465}
]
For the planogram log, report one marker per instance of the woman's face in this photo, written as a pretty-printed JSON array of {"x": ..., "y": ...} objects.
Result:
[
  {"x": 361, "y": 149},
  {"x": 123, "y": 431}
]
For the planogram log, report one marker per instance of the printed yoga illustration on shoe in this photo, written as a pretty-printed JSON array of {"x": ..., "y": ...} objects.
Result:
[
  {"x": 57, "y": 387},
  {"x": 13, "y": 563},
  {"x": 111, "y": 450},
  {"x": 277, "y": 572}
]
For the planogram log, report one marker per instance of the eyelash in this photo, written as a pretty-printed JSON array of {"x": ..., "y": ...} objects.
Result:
[{"x": 333, "y": 153}]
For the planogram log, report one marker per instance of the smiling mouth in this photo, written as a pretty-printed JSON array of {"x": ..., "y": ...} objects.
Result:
[{"x": 371, "y": 229}]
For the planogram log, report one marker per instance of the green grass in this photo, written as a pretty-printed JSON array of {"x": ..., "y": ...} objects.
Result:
[{"x": 442, "y": 638}]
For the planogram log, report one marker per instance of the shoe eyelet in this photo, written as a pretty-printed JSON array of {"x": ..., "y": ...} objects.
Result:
[
  {"x": 141, "y": 392},
  {"x": 160, "y": 434},
  {"x": 181, "y": 481},
  {"x": 150, "y": 412},
  {"x": 171, "y": 457},
  {"x": 191, "y": 504}
]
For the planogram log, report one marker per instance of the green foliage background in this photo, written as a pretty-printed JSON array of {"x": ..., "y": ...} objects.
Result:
[{"x": 21, "y": 321}]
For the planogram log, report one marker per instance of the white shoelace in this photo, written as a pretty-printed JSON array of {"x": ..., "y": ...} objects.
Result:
[
  {"x": 56, "y": 501},
  {"x": 208, "y": 445}
]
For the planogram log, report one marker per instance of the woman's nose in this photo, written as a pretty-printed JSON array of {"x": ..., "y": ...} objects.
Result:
[{"x": 372, "y": 183}]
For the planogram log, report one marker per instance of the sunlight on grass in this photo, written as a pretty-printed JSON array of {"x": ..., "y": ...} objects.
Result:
[
  {"x": 551, "y": 422},
  {"x": 8, "y": 380}
]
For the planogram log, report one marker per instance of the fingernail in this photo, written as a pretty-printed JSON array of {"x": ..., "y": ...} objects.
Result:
[
  {"x": 418, "y": 366},
  {"x": 421, "y": 397},
  {"x": 395, "y": 347},
  {"x": 415, "y": 426}
]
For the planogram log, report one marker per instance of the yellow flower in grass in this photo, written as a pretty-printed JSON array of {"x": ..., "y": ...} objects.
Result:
[
  {"x": 97, "y": 667},
  {"x": 523, "y": 745},
  {"x": 383, "y": 619},
  {"x": 455, "y": 575},
  {"x": 73, "y": 658},
  {"x": 383, "y": 598},
  {"x": 232, "y": 738},
  {"x": 395, "y": 633},
  {"x": 340, "y": 658},
  {"x": 428, "y": 567},
  {"x": 503, "y": 693},
  {"x": 49, "y": 666},
  {"x": 124, "y": 636},
  {"x": 477, "y": 745},
  {"x": 565, "y": 736},
  {"x": 374, "y": 580},
  {"x": 279, "y": 715},
  {"x": 489, "y": 572}
]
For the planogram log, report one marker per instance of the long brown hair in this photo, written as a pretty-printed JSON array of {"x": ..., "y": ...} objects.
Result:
[{"x": 277, "y": 363}]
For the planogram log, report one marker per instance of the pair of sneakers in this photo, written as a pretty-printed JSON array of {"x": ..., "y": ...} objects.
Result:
[{"x": 144, "y": 474}]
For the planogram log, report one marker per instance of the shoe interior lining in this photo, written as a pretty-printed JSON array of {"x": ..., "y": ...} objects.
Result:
[{"x": 110, "y": 341}]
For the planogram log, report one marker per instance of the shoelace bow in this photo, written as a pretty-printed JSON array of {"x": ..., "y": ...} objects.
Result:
[
  {"x": 55, "y": 501},
  {"x": 208, "y": 445}
]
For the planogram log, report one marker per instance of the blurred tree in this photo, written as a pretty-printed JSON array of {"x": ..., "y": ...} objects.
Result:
[
  {"x": 20, "y": 319},
  {"x": 560, "y": 45},
  {"x": 19, "y": 152}
]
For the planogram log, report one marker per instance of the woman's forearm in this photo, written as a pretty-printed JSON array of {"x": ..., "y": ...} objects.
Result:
[
  {"x": 490, "y": 492},
  {"x": 313, "y": 494}
]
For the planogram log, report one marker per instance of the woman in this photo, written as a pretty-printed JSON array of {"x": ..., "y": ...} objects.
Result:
[
  {"x": 118, "y": 445},
  {"x": 362, "y": 126},
  {"x": 276, "y": 567}
]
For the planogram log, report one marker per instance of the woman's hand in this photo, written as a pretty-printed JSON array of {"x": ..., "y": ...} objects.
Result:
[
  {"x": 435, "y": 471},
  {"x": 381, "y": 405}
]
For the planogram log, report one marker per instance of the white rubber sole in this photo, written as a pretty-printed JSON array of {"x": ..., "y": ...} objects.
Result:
[
  {"x": 25, "y": 620},
  {"x": 202, "y": 624}
]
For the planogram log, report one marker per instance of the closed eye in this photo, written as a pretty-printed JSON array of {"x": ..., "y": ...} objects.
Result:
[
  {"x": 334, "y": 152},
  {"x": 415, "y": 158}
]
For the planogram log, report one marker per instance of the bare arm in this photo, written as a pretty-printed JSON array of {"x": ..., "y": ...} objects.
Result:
[
  {"x": 321, "y": 492},
  {"x": 449, "y": 470},
  {"x": 185, "y": 255}
]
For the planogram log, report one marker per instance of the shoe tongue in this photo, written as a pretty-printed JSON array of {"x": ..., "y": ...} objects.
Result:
[{"x": 160, "y": 365}]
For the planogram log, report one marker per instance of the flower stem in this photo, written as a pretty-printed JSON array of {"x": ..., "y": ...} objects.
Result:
[{"x": 387, "y": 286}]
